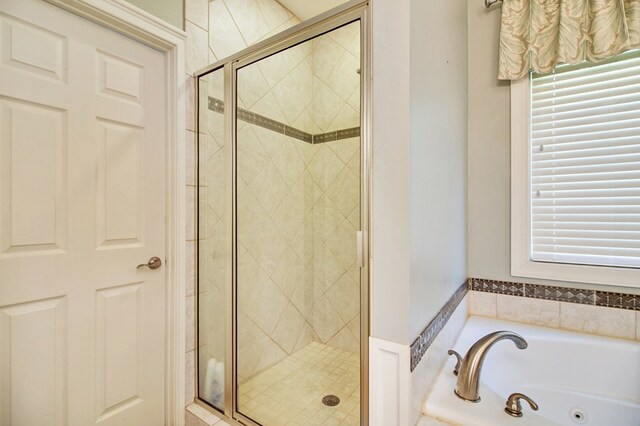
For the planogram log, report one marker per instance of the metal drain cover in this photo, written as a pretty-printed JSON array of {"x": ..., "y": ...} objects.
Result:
[{"x": 331, "y": 400}]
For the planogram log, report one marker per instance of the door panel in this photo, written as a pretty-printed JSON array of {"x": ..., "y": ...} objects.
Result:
[{"x": 82, "y": 187}]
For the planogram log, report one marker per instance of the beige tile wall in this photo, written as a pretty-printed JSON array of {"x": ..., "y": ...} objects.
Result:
[
  {"x": 336, "y": 83},
  {"x": 603, "y": 321},
  {"x": 214, "y": 32},
  {"x": 275, "y": 236}
]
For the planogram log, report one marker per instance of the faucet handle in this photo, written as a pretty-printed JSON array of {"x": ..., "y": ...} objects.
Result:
[
  {"x": 457, "y": 367},
  {"x": 514, "y": 408}
]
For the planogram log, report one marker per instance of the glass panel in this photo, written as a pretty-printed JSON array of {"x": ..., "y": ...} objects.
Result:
[
  {"x": 298, "y": 212},
  {"x": 213, "y": 253}
]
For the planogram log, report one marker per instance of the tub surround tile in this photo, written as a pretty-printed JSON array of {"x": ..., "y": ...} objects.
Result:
[
  {"x": 562, "y": 294},
  {"x": 545, "y": 313},
  {"x": 482, "y": 304},
  {"x": 598, "y": 320},
  {"x": 429, "y": 334},
  {"x": 574, "y": 316},
  {"x": 617, "y": 300},
  {"x": 426, "y": 373},
  {"x": 500, "y": 287}
]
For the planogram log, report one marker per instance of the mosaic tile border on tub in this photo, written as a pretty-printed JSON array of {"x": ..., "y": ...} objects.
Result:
[
  {"x": 217, "y": 105},
  {"x": 557, "y": 293},
  {"x": 428, "y": 335}
]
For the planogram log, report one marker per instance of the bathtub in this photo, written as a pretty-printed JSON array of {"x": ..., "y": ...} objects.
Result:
[{"x": 576, "y": 379}]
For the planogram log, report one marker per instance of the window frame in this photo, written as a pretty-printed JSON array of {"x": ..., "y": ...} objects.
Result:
[{"x": 521, "y": 263}]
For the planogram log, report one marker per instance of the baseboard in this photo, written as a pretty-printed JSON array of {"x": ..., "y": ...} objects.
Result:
[{"x": 389, "y": 383}]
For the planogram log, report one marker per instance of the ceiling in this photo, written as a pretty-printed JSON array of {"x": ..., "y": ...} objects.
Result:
[{"x": 307, "y": 9}]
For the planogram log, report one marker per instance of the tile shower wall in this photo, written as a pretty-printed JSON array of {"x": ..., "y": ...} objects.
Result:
[
  {"x": 325, "y": 308},
  {"x": 336, "y": 80},
  {"x": 298, "y": 212},
  {"x": 215, "y": 30}
]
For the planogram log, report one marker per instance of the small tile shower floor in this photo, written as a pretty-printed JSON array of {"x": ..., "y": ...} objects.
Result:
[{"x": 291, "y": 392}]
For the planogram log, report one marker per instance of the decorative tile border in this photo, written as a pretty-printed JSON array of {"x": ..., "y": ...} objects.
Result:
[
  {"x": 428, "y": 335},
  {"x": 561, "y": 294},
  {"x": 217, "y": 105},
  {"x": 534, "y": 291}
]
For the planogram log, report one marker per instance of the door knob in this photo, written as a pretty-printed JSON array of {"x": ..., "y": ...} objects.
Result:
[{"x": 154, "y": 263}]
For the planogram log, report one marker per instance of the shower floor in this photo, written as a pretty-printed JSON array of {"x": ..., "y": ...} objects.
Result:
[{"x": 291, "y": 391}]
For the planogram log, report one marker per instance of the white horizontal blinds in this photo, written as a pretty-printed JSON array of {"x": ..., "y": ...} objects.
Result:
[{"x": 585, "y": 163}]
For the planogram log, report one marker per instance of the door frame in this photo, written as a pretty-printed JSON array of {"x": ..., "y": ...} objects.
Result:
[{"x": 131, "y": 21}]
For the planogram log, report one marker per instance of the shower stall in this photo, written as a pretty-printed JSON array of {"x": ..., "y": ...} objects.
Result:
[{"x": 283, "y": 219}]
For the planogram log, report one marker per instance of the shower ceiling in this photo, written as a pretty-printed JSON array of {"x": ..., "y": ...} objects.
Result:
[{"x": 307, "y": 9}]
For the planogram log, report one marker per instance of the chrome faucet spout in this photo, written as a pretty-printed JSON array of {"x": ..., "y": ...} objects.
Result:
[{"x": 471, "y": 366}]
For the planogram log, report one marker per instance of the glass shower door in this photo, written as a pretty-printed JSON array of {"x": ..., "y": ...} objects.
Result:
[
  {"x": 298, "y": 213},
  {"x": 213, "y": 247}
]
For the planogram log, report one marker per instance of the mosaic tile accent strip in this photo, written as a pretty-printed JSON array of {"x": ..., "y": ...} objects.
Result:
[
  {"x": 561, "y": 294},
  {"x": 617, "y": 300},
  {"x": 217, "y": 105},
  {"x": 325, "y": 137},
  {"x": 337, "y": 135},
  {"x": 500, "y": 287},
  {"x": 428, "y": 335}
]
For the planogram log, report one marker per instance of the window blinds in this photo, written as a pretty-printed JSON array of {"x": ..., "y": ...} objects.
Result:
[{"x": 585, "y": 163}]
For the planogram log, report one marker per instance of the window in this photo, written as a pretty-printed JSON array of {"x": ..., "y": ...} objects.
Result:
[{"x": 576, "y": 173}]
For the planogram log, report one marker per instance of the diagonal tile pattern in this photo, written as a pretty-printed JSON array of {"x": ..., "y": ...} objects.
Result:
[{"x": 298, "y": 209}]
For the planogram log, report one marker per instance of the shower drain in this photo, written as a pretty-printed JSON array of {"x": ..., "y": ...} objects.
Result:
[{"x": 331, "y": 400}]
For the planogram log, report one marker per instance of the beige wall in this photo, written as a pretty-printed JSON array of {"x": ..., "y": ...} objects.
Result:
[
  {"x": 489, "y": 159},
  {"x": 171, "y": 11}
]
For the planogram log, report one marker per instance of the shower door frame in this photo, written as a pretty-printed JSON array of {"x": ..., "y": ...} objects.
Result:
[{"x": 352, "y": 11}]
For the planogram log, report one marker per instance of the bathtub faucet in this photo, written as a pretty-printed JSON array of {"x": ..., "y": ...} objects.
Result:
[{"x": 468, "y": 368}]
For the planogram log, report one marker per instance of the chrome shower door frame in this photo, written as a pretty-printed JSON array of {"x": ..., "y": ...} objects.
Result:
[{"x": 355, "y": 10}]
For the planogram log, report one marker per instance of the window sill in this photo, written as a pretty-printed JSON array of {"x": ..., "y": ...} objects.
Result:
[{"x": 622, "y": 277}]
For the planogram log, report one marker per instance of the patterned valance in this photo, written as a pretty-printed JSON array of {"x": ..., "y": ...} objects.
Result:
[{"x": 539, "y": 34}]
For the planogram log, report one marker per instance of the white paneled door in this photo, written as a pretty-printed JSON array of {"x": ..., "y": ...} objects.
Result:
[{"x": 82, "y": 203}]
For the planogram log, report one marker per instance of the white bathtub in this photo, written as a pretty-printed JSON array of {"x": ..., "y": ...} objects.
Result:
[{"x": 576, "y": 379}]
